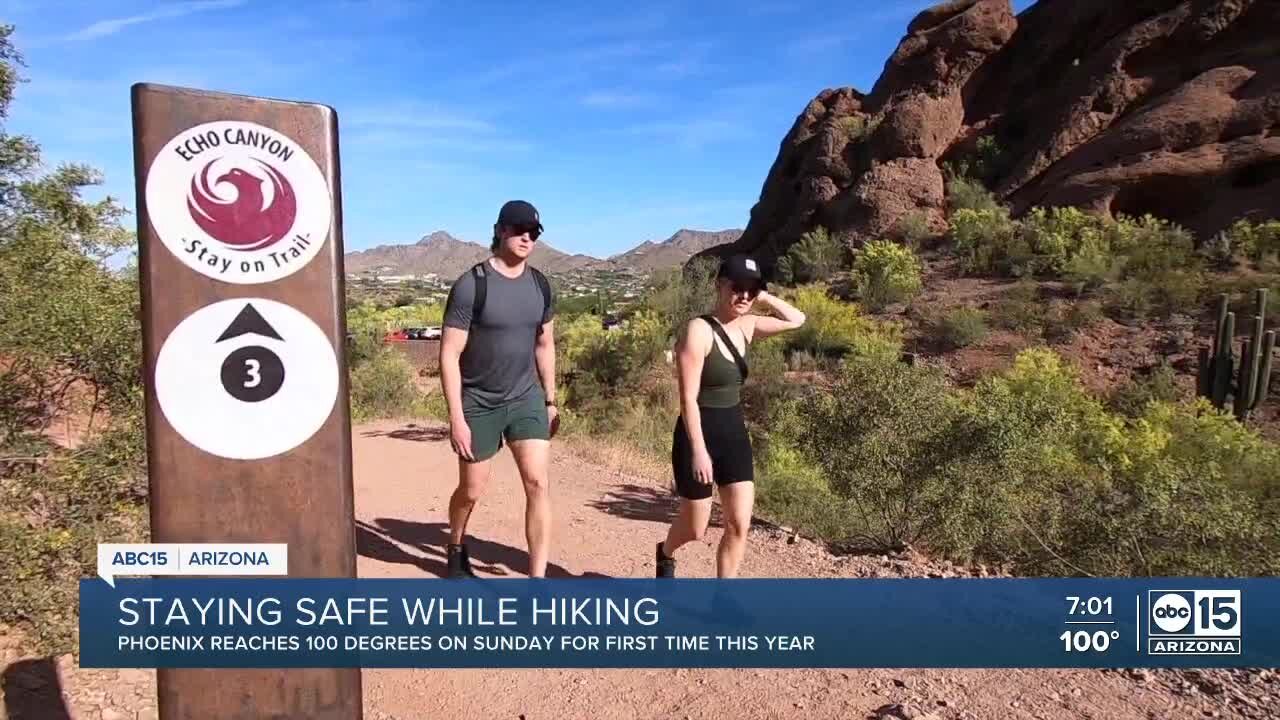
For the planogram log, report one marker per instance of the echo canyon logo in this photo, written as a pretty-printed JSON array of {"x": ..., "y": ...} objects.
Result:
[{"x": 238, "y": 202}]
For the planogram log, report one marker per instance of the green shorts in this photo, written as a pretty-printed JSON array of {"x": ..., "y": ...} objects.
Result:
[{"x": 524, "y": 419}]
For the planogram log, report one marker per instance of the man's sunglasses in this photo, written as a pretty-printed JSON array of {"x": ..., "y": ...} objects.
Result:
[{"x": 533, "y": 231}]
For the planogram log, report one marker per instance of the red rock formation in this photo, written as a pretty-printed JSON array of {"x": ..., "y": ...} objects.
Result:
[{"x": 1162, "y": 106}]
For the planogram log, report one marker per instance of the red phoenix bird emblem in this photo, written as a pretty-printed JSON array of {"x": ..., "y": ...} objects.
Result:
[{"x": 245, "y": 222}]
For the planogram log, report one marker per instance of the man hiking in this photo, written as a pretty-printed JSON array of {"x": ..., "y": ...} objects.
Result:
[{"x": 497, "y": 368}]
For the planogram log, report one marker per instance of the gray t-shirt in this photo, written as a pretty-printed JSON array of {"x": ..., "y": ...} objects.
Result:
[{"x": 498, "y": 364}]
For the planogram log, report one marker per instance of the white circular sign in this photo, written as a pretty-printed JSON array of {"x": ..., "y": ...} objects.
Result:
[
  {"x": 238, "y": 202},
  {"x": 1172, "y": 613},
  {"x": 247, "y": 378}
]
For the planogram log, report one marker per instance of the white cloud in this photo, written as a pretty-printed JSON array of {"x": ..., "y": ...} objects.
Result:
[
  {"x": 415, "y": 123},
  {"x": 415, "y": 115},
  {"x": 690, "y": 134},
  {"x": 612, "y": 100},
  {"x": 111, "y": 26}
]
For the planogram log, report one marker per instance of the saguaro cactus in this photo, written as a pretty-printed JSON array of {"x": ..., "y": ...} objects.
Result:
[{"x": 1217, "y": 363}]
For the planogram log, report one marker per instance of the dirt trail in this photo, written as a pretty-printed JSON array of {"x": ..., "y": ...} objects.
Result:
[{"x": 605, "y": 526}]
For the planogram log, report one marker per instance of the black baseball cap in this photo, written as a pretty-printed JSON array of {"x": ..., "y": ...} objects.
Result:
[
  {"x": 518, "y": 213},
  {"x": 741, "y": 269}
]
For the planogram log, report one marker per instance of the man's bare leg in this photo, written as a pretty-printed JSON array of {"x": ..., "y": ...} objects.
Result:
[
  {"x": 473, "y": 478},
  {"x": 532, "y": 458}
]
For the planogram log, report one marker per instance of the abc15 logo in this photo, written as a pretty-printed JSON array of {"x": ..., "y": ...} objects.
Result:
[{"x": 1194, "y": 613}]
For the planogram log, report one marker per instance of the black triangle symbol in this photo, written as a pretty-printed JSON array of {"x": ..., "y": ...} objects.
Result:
[{"x": 249, "y": 321}]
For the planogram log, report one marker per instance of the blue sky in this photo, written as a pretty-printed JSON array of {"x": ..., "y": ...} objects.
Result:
[{"x": 622, "y": 123}]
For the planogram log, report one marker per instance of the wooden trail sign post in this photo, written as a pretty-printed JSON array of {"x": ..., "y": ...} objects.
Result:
[{"x": 248, "y": 424}]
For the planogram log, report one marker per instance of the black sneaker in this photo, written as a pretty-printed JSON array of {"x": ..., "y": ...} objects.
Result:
[
  {"x": 666, "y": 565},
  {"x": 459, "y": 563}
]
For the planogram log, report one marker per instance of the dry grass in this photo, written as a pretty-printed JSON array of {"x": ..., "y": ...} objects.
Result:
[{"x": 615, "y": 455}]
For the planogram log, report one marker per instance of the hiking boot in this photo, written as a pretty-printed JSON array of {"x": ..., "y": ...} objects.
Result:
[
  {"x": 666, "y": 565},
  {"x": 459, "y": 563}
]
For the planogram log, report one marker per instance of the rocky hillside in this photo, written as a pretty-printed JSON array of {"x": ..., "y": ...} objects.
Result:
[
  {"x": 1163, "y": 106},
  {"x": 674, "y": 250},
  {"x": 447, "y": 256}
]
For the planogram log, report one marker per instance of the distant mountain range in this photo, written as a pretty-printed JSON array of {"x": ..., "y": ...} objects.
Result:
[{"x": 448, "y": 257}]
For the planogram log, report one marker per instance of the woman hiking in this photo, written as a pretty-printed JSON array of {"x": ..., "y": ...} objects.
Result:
[{"x": 710, "y": 444}]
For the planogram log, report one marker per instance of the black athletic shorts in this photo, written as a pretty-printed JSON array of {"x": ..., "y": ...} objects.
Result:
[{"x": 725, "y": 432}]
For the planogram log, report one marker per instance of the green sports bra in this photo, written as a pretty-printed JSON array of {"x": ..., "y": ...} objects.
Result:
[{"x": 721, "y": 382}]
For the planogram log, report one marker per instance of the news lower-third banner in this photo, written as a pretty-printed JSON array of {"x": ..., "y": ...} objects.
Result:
[{"x": 182, "y": 622}]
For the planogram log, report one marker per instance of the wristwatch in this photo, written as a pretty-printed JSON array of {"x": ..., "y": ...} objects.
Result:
[{"x": 551, "y": 403}]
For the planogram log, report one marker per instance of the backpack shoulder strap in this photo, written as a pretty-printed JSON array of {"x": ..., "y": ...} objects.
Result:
[
  {"x": 545, "y": 288},
  {"x": 543, "y": 285},
  {"x": 733, "y": 349},
  {"x": 481, "y": 271}
]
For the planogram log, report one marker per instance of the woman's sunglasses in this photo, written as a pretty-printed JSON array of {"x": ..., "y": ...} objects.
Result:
[
  {"x": 751, "y": 289},
  {"x": 533, "y": 232}
]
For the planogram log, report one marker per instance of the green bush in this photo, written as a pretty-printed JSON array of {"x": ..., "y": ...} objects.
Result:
[
  {"x": 1029, "y": 469},
  {"x": 64, "y": 505},
  {"x": 835, "y": 328},
  {"x": 984, "y": 239},
  {"x": 913, "y": 229},
  {"x": 1157, "y": 295},
  {"x": 814, "y": 258},
  {"x": 683, "y": 293},
  {"x": 383, "y": 387},
  {"x": 963, "y": 326},
  {"x": 767, "y": 383},
  {"x": 964, "y": 193},
  {"x": 1064, "y": 320},
  {"x": 1132, "y": 398},
  {"x": 1020, "y": 309},
  {"x": 885, "y": 272},
  {"x": 883, "y": 437},
  {"x": 1260, "y": 242},
  {"x": 1092, "y": 266},
  {"x": 68, "y": 329}
]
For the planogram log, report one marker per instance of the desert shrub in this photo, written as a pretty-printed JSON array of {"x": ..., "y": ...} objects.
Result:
[
  {"x": 1064, "y": 320},
  {"x": 794, "y": 492},
  {"x": 1092, "y": 266},
  {"x": 1260, "y": 242},
  {"x": 68, "y": 329},
  {"x": 983, "y": 239},
  {"x": 1020, "y": 309},
  {"x": 1039, "y": 438},
  {"x": 683, "y": 293},
  {"x": 835, "y": 328},
  {"x": 885, "y": 272},
  {"x": 801, "y": 361},
  {"x": 596, "y": 364},
  {"x": 1152, "y": 246},
  {"x": 963, "y": 326},
  {"x": 1158, "y": 294},
  {"x": 1031, "y": 470},
  {"x": 964, "y": 193},
  {"x": 913, "y": 229},
  {"x": 65, "y": 504},
  {"x": 985, "y": 165},
  {"x": 857, "y": 127},
  {"x": 814, "y": 258},
  {"x": 1075, "y": 489},
  {"x": 574, "y": 338},
  {"x": 1132, "y": 398},
  {"x": 767, "y": 384},
  {"x": 1194, "y": 493},
  {"x": 883, "y": 437},
  {"x": 1162, "y": 272},
  {"x": 383, "y": 386}
]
